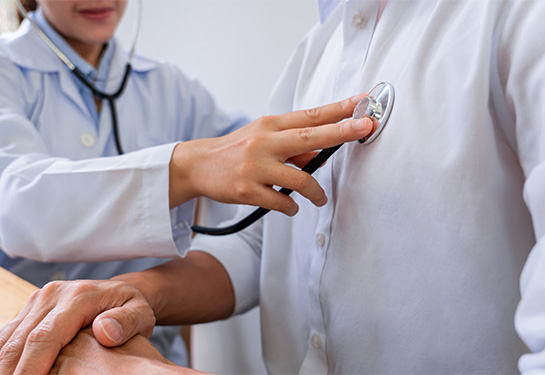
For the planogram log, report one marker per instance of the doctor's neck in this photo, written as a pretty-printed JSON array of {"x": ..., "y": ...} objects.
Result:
[{"x": 87, "y": 26}]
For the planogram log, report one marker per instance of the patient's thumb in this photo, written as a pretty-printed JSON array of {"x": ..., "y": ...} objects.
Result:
[
  {"x": 116, "y": 326},
  {"x": 108, "y": 332}
]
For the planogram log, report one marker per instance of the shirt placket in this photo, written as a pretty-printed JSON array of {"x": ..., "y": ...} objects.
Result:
[
  {"x": 359, "y": 20},
  {"x": 316, "y": 361}
]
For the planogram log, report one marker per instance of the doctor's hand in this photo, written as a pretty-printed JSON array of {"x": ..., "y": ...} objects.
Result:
[
  {"x": 55, "y": 314},
  {"x": 243, "y": 166}
]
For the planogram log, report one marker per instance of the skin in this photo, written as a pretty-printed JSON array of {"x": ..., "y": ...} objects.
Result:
[
  {"x": 86, "y": 25},
  {"x": 253, "y": 159},
  {"x": 85, "y": 355},
  {"x": 250, "y": 160},
  {"x": 191, "y": 290}
]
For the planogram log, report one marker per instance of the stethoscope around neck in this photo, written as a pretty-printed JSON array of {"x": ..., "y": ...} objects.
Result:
[
  {"x": 109, "y": 97},
  {"x": 378, "y": 105}
]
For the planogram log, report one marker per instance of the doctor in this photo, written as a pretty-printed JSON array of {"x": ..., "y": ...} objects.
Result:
[
  {"x": 66, "y": 194},
  {"x": 429, "y": 257}
]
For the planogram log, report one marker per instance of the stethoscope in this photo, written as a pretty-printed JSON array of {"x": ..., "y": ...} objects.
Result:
[
  {"x": 378, "y": 105},
  {"x": 110, "y": 98}
]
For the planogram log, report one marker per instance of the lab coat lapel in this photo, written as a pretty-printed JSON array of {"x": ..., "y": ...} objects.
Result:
[
  {"x": 115, "y": 76},
  {"x": 30, "y": 52}
]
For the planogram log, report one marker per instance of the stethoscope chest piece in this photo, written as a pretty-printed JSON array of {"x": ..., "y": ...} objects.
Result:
[{"x": 378, "y": 105}]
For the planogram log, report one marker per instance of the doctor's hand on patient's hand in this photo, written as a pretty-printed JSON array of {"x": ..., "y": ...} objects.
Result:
[
  {"x": 84, "y": 355},
  {"x": 55, "y": 314},
  {"x": 243, "y": 166}
]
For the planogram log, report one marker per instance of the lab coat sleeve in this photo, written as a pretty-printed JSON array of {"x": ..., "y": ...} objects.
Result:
[
  {"x": 94, "y": 210},
  {"x": 240, "y": 255},
  {"x": 55, "y": 209},
  {"x": 522, "y": 61}
]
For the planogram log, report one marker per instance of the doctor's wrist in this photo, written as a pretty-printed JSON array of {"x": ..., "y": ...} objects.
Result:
[{"x": 184, "y": 157}]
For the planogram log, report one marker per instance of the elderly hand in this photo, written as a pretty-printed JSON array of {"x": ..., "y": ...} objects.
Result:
[
  {"x": 85, "y": 355},
  {"x": 56, "y": 313},
  {"x": 242, "y": 167}
]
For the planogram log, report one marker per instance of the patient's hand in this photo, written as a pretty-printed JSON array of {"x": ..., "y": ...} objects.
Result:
[
  {"x": 85, "y": 355},
  {"x": 56, "y": 313}
]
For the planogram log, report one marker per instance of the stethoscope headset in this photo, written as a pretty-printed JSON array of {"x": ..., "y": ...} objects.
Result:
[{"x": 378, "y": 105}]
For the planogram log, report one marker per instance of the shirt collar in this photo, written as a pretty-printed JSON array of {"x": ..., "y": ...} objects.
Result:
[
  {"x": 326, "y": 7},
  {"x": 98, "y": 76}
]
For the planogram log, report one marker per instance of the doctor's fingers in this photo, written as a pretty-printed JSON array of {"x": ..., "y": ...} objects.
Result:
[
  {"x": 294, "y": 142},
  {"x": 327, "y": 114},
  {"x": 290, "y": 178},
  {"x": 52, "y": 317}
]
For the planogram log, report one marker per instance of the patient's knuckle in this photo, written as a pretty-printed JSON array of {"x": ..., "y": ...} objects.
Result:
[
  {"x": 50, "y": 288},
  {"x": 5, "y": 331},
  {"x": 10, "y": 351},
  {"x": 42, "y": 334},
  {"x": 129, "y": 319}
]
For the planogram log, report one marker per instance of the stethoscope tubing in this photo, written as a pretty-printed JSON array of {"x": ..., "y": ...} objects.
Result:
[
  {"x": 310, "y": 168},
  {"x": 110, "y": 98},
  {"x": 380, "y": 110}
]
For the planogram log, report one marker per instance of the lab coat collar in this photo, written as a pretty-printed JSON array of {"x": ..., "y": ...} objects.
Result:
[
  {"x": 28, "y": 50},
  {"x": 326, "y": 7}
]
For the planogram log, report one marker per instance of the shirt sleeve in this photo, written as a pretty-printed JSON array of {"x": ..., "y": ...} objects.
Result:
[
  {"x": 522, "y": 65},
  {"x": 240, "y": 255}
]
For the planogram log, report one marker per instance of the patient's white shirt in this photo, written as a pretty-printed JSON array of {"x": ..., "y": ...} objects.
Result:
[{"x": 413, "y": 265}]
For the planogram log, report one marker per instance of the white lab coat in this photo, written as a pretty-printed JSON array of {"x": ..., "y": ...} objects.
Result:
[{"x": 60, "y": 197}]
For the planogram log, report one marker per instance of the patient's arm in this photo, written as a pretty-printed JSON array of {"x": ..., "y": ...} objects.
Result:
[
  {"x": 193, "y": 289},
  {"x": 85, "y": 355}
]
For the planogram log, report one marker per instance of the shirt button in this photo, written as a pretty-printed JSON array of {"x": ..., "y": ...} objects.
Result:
[
  {"x": 316, "y": 341},
  {"x": 359, "y": 21},
  {"x": 87, "y": 140},
  {"x": 59, "y": 275},
  {"x": 320, "y": 239}
]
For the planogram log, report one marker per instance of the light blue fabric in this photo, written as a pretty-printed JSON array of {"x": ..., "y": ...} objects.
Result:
[
  {"x": 325, "y": 8},
  {"x": 97, "y": 76},
  {"x": 43, "y": 114}
]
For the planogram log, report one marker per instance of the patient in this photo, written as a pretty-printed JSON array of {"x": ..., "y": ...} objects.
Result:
[{"x": 429, "y": 257}]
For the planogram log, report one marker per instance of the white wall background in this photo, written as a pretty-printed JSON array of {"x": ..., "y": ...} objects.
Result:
[{"x": 237, "y": 49}]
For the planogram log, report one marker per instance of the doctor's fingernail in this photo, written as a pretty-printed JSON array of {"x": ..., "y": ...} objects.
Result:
[
  {"x": 356, "y": 99},
  {"x": 112, "y": 329},
  {"x": 362, "y": 124},
  {"x": 323, "y": 201}
]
